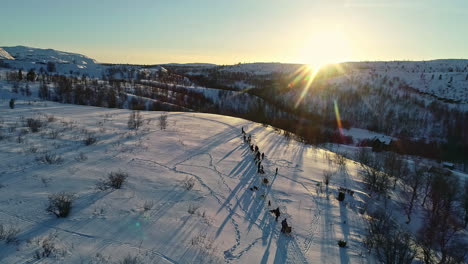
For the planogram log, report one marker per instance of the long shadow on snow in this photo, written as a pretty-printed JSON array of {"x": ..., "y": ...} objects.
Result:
[
  {"x": 244, "y": 183},
  {"x": 52, "y": 223},
  {"x": 208, "y": 144}
]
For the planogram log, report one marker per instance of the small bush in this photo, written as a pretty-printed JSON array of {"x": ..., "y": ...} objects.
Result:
[
  {"x": 51, "y": 118},
  {"x": 148, "y": 205},
  {"x": 135, "y": 120},
  {"x": 8, "y": 234},
  {"x": 81, "y": 157},
  {"x": 192, "y": 209},
  {"x": 188, "y": 183},
  {"x": 90, "y": 139},
  {"x": 327, "y": 175},
  {"x": 49, "y": 158},
  {"x": 342, "y": 243},
  {"x": 130, "y": 260},
  {"x": 60, "y": 204},
  {"x": 32, "y": 149},
  {"x": 341, "y": 196},
  {"x": 48, "y": 248},
  {"x": 34, "y": 124},
  {"x": 114, "y": 180},
  {"x": 265, "y": 181},
  {"x": 163, "y": 121},
  {"x": 117, "y": 179},
  {"x": 54, "y": 134}
]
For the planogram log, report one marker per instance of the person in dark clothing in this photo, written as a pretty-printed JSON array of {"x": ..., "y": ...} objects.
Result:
[
  {"x": 263, "y": 155},
  {"x": 285, "y": 228},
  {"x": 276, "y": 171},
  {"x": 276, "y": 212},
  {"x": 284, "y": 224}
]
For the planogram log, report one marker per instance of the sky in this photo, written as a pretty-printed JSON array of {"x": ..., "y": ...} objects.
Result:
[{"x": 228, "y": 32}]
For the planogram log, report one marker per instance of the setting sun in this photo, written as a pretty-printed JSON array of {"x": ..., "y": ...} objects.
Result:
[{"x": 325, "y": 47}]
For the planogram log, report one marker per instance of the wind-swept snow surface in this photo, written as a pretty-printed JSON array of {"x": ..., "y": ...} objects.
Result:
[{"x": 224, "y": 218}]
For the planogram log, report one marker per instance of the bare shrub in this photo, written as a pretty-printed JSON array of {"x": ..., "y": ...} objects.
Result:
[
  {"x": 163, "y": 121},
  {"x": 148, "y": 205},
  {"x": 202, "y": 240},
  {"x": 12, "y": 127},
  {"x": 32, "y": 149},
  {"x": 34, "y": 124},
  {"x": 49, "y": 158},
  {"x": 9, "y": 234},
  {"x": 51, "y": 118},
  {"x": 114, "y": 180},
  {"x": 135, "y": 120},
  {"x": 188, "y": 183},
  {"x": 45, "y": 181},
  {"x": 60, "y": 204},
  {"x": 391, "y": 244},
  {"x": 340, "y": 161},
  {"x": 192, "y": 209},
  {"x": 48, "y": 248},
  {"x": 130, "y": 260},
  {"x": 54, "y": 134},
  {"x": 327, "y": 175},
  {"x": 81, "y": 157},
  {"x": 90, "y": 139}
]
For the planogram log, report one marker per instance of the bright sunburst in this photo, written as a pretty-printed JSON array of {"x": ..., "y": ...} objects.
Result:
[{"x": 326, "y": 47}]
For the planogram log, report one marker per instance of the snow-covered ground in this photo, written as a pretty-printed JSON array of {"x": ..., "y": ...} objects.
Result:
[
  {"x": 231, "y": 223},
  {"x": 359, "y": 134}
]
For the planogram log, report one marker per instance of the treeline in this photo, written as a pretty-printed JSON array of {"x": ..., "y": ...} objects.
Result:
[{"x": 442, "y": 196}]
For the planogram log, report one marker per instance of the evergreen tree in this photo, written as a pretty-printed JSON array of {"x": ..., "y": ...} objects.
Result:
[
  {"x": 50, "y": 66},
  {"x": 31, "y": 76}
]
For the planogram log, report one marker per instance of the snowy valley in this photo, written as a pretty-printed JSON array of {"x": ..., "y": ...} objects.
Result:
[{"x": 104, "y": 163}]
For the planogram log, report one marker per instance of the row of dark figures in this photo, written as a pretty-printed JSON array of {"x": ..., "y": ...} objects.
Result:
[{"x": 258, "y": 158}]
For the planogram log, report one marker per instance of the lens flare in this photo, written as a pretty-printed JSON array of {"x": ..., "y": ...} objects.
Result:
[
  {"x": 310, "y": 73},
  {"x": 338, "y": 119}
]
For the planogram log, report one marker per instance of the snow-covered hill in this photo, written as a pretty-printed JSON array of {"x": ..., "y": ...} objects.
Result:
[
  {"x": 23, "y": 53},
  {"x": 193, "y": 192},
  {"x": 225, "y": 217},
  {"x": 5, "y": 55},
  {"x": 26, "y": 58}
]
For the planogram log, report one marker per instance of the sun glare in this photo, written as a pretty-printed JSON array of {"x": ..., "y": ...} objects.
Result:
[{"x": 325, "y": 47}]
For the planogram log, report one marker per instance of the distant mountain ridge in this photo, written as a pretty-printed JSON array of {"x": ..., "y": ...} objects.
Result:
[{"x": 24, "y": 53}]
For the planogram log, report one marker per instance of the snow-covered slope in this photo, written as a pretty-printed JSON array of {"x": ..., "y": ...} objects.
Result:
[
  {"x": 27, "y": 58},
  {"x": 225, "y": 217},
  {"x": 23, "y": 53},
  {"x": 5, "y": 55}
]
